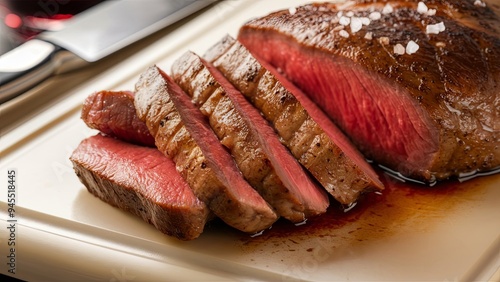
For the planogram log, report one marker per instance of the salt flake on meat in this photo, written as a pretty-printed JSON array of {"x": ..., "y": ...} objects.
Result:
[
  {"x": 435, "y": 28},
  {"x": 356, "y": 24},
  {"x": 479, "y": 3},
  {"x": 399, "y": 49},
  {"x": 365, "y": 20},
  {"x": 374, "y": 16},
  {"x": 387, "y": 9},
  {"x": 412, "y": 47},
  {"x": 422, "y": 8},
  {"x": 384, "y": 40},
  {"x": 344, "y": 20}
]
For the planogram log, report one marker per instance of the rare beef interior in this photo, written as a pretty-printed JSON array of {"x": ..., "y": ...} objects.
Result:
[
  {"x": 416, "y": 89},
  {"x": 265, "y": 126}
]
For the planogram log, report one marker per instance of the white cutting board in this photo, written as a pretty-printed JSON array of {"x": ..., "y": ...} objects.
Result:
[{"x": 64, "y": 233}]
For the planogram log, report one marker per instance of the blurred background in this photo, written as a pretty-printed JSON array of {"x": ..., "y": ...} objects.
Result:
[{"x": 24, "y": 19}]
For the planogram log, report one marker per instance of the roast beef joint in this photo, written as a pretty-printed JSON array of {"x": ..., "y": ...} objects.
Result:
[
  {"x": 416, "y": 87},
  {"x": 297, "y": 111}
]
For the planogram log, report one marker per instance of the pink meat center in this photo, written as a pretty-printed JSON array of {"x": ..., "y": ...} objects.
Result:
[{"x": 382, "y": 119}]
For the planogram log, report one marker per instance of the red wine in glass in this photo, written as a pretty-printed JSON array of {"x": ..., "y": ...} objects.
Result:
[{"x": 27, "y": 18}]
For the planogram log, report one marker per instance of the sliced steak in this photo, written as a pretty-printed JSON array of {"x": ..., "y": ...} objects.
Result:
[
  {"x": 265, "y": 163},
  {"x": 183, "y": 134},
  {"x": 113, "y": 113},
  {"x": 311, "y": 137},
  {"x": 428, "y": 107},
  {"x": 142, "y": 181}
]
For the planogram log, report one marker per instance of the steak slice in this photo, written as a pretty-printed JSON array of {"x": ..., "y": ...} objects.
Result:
[
  {"x": 182, "y": 133},
  {"x": 429, "y": 113},
  {"x": 113, "y": 113},
  {"x": 264, "y": 162},
  {"x": 311, "y": 137},
  {"x": 142, "y": 181}
]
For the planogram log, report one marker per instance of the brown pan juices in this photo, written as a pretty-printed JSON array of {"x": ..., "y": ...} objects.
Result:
[{"x": 401, "y": 206}]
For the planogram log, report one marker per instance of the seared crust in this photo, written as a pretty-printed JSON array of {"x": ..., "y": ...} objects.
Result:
[
  {"x": 182, "y": 134},
  {"x": 452, "y": 81},
  {"x": 343, "y": 178},
  {"x": 263, "y": 161}
]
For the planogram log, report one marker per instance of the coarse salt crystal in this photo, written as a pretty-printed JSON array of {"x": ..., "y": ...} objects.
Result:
[
  {"x": 387, "y": 9},
  {"x": 344, "y": 33},
  {"x": 479, "y": 3},
  {"x": 344, "y": 20},
  {"x": 432, "y": 29},
  {"x": 350, "y": 14},
  {"x": 369, "y": 35},
  {"x": 431, "y": 12},
  {"x": 399, "y": 49},
  {"x": 365, "y": 20},
  {"x": 356, "y": 24},
  {"x": 441, "y": 26},
  {"x": 435, "y": 28},
  {"x": 292, "y": 10},
  {"x": 384, "y": 40},
  {"x": 339, "y": 14},
  {"x": 422, "y": 8},
  {"x": 374, "y": 16},
  {"x": 412, "y": 47}
]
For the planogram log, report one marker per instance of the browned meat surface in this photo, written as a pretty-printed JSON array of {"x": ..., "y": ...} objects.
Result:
[
  {"x": 183, "y": 134},
  {"x": 264, "y": 162},
  {"x": 142, "y": 181},
  {"x": 311, "y": 137},
  {"x": 113, "y": 113},
  {"x": 429, "y": 113}
]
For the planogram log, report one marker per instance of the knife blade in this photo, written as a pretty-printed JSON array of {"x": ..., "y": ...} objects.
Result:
[{"x": 86, "y": 38}]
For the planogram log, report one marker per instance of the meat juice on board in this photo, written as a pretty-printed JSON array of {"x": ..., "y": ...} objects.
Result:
[{"x": 379, "y": 214}]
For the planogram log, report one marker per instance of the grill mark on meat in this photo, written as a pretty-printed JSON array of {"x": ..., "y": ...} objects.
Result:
[
  {"x": 279, "y": 106},
  {"x": 452, "y": 81},
  {"x": 142, "y": 181},
  {"x": 220, "y": 49},
  {"x": 224, "y": 50},
  {"x": 341, "y": 177},
  {"x": 113, "y": 113},
  {"x": 199, "y": 157},
  {"x": 274, "y": 173}
]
